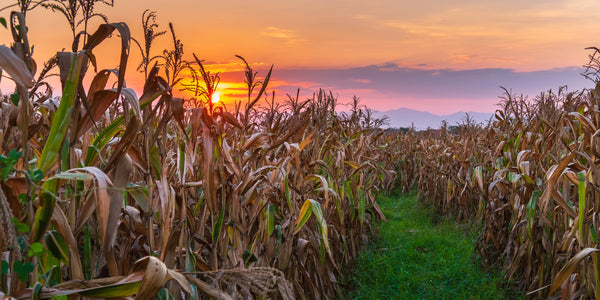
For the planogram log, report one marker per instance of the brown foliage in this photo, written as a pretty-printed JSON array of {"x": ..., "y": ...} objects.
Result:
[
  {"x": 125, "y": 193},
  {"x": 530, "y": 179}
]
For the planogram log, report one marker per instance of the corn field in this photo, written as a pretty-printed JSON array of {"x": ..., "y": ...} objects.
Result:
[
  {"x": 530, "y": 179},
  {"x": 105, "y": 193}
]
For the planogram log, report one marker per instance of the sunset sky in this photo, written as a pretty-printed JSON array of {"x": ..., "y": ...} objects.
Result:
[{"x": 436, "y": 56}]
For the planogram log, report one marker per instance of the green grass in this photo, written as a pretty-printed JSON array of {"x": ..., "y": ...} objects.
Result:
[{"x": 413, "y": 258}]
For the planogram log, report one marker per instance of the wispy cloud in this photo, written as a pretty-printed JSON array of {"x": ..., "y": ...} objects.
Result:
[
  {"x": 362, "y": 17},
  {"x": 458, "y": 59},
  {"x": 288, "y": 35},
  {"x": 391, "y": 86},
  {"x": 362, "y": 80},
  {"x": 394, "y": 85},
  {"x": 445, "y": 31},
  {"x": 296, "y": 84}
]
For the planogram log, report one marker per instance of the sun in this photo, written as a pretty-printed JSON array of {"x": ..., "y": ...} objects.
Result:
[{"x": 216, "y": 98}]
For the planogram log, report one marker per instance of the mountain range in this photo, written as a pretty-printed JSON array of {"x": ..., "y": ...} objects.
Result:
[{"x": 404, "y": 117}]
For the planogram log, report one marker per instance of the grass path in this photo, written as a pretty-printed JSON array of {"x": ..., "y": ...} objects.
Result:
[{"x": 413, "y": 258}]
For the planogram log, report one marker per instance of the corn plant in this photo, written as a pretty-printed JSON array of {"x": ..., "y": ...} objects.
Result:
[
  {"x": 105, "y": 193},
  {"x": 528, "y": 177}
]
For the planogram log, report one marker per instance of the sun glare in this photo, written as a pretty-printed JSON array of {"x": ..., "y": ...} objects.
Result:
[{"x": 216, "y": 98}]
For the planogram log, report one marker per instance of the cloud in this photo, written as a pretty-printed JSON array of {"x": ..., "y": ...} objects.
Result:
[
  {"x": 299, "y": 84},
  {"x": 363, "y": 81},
  {"x": 390, "y": 86},
  {"x": 445, "y": 31},
  {"x": 280, "y": 33},
  {"x": 362, "y": 17},
  {"x": 395, "y": 85},
  {"x": 277, "y": 32},
  {"x": 461, "y": 59}
]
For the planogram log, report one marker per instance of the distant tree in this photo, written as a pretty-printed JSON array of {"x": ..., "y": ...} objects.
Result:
[
  {"x": 404, "y": 129},
  {"x": 454, "y": 129}
]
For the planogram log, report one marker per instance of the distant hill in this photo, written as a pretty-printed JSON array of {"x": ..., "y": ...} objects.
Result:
[{"x": 404, "y": 117}]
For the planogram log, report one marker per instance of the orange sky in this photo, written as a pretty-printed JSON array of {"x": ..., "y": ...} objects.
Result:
[{"x": 348, "y": 36}]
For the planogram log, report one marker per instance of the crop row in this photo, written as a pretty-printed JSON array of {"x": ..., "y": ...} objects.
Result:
[
  {"x": 108, "y": 194},
  {"x": 531, "y": 179}
]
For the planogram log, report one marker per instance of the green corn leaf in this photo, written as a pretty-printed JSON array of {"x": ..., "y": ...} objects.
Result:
[
  {"x": 514, "y": 177},
  {"x": 270, "y": 220},
  {"x": 37, "y": 288},
  {"x": 111, "y": 131},
  {"x": 54, "y": 276},
  {"x": 593, "y": 234},
  {"x": 310, "y": 207},
  {"x": 279, "y": 235},
  {"x": 43, "y": 214},
  {"x": 531, "y": 212},
  {"x": 128, "y": 286},
  {"x": 57, "y": 246},
  {"x": 305, "y": 212},
  {"x": 139, "y": 194},
  {"x": 517, "y": 142},
  {"x": 350, "y": 195},
  {"x": 190, "y": 261},
  {"x": 103, "y": 138},
  {"x": 287, "y": 192},
  {"x": 164, "y": 294},
  {"x": 64, "y": 155},
  {"x": 248, "y": 257},
  {"x": 528, "y": 179},
  {"x": 62, "y": 118},
  {"x": 72, "y": 176},
  {"x": 155, "y": 161},
  {"x": 218, "y": 224},
  {"x": 316, "y": 208}
]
